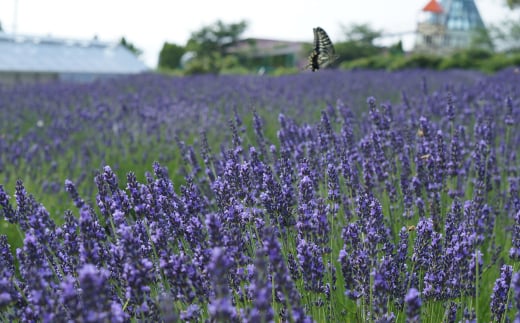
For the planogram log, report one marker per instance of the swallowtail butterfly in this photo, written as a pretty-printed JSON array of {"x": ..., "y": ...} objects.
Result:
[{"x": 323, "y": 53}]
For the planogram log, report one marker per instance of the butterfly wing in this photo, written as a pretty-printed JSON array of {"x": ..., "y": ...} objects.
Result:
[
  {"x": 327, "y": 54},
  {"x": 313, "y": 60},
  {"x": 316, "y": 39},
  {"x": 323, "y": 53}
]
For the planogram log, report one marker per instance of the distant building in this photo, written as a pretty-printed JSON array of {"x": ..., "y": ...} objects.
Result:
[
  {"x": 41, "y": 59},
  {"x": 267, "y": 54},
  {"x": 449, "y": 25}
]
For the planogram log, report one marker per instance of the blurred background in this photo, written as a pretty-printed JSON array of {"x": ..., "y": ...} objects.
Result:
[{"x": 84, "y": 40}]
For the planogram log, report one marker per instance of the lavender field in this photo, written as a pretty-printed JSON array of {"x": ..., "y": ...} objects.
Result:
[{"x": 356, "y": 196}]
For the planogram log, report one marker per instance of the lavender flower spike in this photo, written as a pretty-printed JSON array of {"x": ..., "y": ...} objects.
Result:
[
  {"x": 500, "y": 291},
  {"x": 413, "y": 306},
  {"x": 516, "y": 291},
  {"x": 221, "y": 306}
]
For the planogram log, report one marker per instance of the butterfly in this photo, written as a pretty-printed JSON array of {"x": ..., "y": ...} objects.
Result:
[{"x": 323, "y": 53}]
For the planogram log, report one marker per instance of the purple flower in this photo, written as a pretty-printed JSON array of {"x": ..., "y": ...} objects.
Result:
[
  {"x": 71, "y": 189},
  {"x": 214, "y": 228},
  {"x": 333, "y": 186},
  {"x": 355, "y": 263},
  {"x": 514, "y": 252},
  {"x": 382, "y": 289},
  {"x": 455, "y": 161},
  {"x": 9, "y": 294},
  {"x": 312, "y": 222},
  {"x": 261, "y": 291},
  {"x": 450, "y": 109},
  {"x": 460, "y": 255},
  {"x": 195, "y": 204},
  {"x": 287, "y": 178},
  {"x": 424, "y": 86},
  {"x": 186, "y": 282},
  {"x": 284, "y": 286},
  {"x": 110, "y": 178},
  {"x": 499, "y": 298},
  {"x": 374, "y": 112},
  {"x": 93, "y": 300},
  {"x": 272, "y": 198},
  {"x": 6, "y": 258},
  {"x": 435, "y": 277},
  {"x": 516, "y": 293},
  {"x": 25, "y": 207},
  {"x": 237, "y": 141},
  {"x": 293, "y": 267},
  {"x": 43, "y": 226},
  {"x": 220, "y": 306},
  {"x": 138, "y": 195},
  {"x": 259, "y": 132},
  {"x": 469, "y": 316},
  {"x": 310, "y": 257},
  {"x": 93, "y": 238},
  {"x": 7, "y": 210},
  {"x": 509, "y": 119},
  {"x": 413, "y": 306},
  {"x": 451, "y": 312},
  {"x": 349, "y": 175},
  {"x": 422, "y": 251},
  {"x": 137, "y": 269},
  {"x": 254, "y": 236},
  {"x": 326, "y": 138},
  {"x": 103, "y": 198},
  {"x": 192, "y": 313},
  {"x": 453, "y": 220},
  {"x": 69, "y": 250},
  {"x": 38, "y": 277}
]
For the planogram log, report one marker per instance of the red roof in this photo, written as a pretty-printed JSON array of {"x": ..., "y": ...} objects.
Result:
[{"x": 433, "y": 6}]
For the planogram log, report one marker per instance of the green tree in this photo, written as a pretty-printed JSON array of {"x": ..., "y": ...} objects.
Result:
[
  {"x": 215, "y": 37},
  {"x": 1, "y": 29},
  {"x": 350, "y": 50},
  {"x": 136, "y": 51},
  {"x": 362, "y": 34},
  {"x": 396, "y": 49},
  {"x": 170, "y": 56},
  {"x": 210, "y": 43},
  {"x": 513, "y": 3},
  {"x": 359, "y": 42}
]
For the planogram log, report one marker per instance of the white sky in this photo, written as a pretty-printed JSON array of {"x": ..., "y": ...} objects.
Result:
[{"x": 148, "y": 24}]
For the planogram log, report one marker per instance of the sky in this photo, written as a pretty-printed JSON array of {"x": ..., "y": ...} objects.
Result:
[{"x": 149, "y": 24}]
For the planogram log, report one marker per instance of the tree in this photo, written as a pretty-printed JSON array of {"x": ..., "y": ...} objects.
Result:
[
  {"x": 136, "y": 51},
  {"x": 363, "y": 33},
  {"x": 359, "y": 42},
  {"x": 1, "y": 29},
  {"x": 215, "y": 37},
  {"x": 210, "y": 43},
  {"x": 513, "y": 3},
  {"x": 170, "y": 56},
  {"x": 506, "y": 35},
  {"x": 396, "y": 49}
]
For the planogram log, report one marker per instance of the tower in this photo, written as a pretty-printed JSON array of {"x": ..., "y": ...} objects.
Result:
[
  {"x": 449, "y": 25},
  {"x": 430, "y": 28}
]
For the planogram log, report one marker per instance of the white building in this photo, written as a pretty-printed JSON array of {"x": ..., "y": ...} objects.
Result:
[{"x": 41, "y": 59}]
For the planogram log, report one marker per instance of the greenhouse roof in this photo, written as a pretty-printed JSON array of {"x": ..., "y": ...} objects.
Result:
[
  {"x": 462, "y": 15},
  {"x": 46, "y": 54}
]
